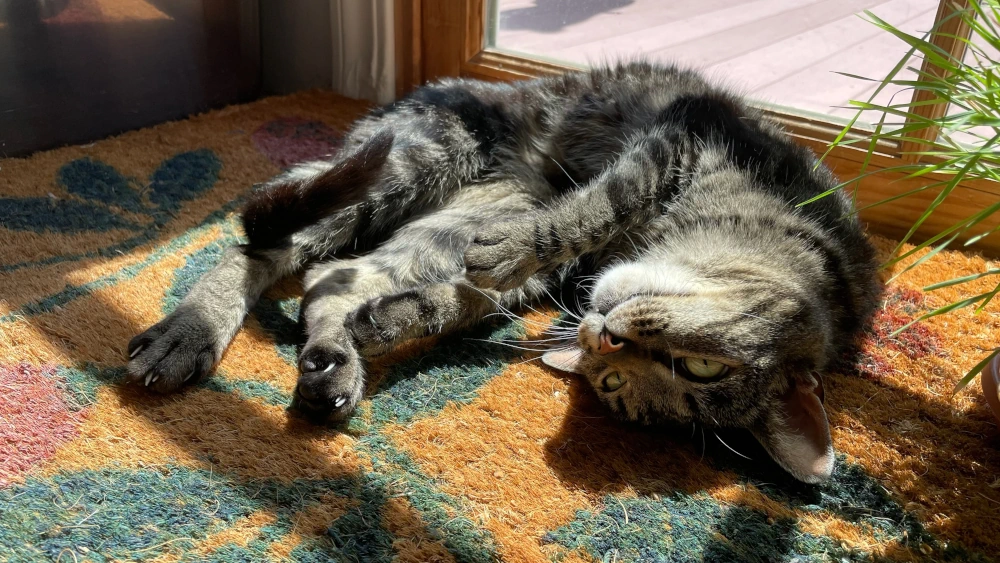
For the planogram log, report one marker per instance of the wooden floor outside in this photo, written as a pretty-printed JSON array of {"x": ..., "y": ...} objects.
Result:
[{"x": 783, "y": 52}]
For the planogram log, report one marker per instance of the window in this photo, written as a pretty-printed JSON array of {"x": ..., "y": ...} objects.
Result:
[
  {"x": 781, "y": 52},
  {"x": 784, "y": 55}
]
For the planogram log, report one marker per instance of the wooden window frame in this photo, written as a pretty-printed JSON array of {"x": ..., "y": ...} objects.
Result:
[{"x": 447, "y": 38}]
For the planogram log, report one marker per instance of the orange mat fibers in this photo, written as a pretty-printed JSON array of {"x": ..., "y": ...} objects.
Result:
[{"x": 462, "y": 450}]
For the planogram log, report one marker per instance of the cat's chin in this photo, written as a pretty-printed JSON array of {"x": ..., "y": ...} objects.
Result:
[{"x": 622, "y": 282}]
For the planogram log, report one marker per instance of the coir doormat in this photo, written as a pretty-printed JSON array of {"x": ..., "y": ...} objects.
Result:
[{"x": 462, "y": 451}]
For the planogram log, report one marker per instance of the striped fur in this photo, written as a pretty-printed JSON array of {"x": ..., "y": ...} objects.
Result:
[{"x": 681, "y": 200}]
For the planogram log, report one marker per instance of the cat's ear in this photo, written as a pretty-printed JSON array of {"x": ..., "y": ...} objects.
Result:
[
  {"x": 797, "y": 434},
  {"x": 564, "y": 359}
]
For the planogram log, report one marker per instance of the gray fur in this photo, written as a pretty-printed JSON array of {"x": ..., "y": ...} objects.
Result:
[{"x": 680, "y": 199}]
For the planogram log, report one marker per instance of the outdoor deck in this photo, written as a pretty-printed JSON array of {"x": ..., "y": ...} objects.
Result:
[{"x": 779, "y": 51}]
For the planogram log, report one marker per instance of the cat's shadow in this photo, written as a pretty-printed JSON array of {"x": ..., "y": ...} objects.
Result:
[
  {"x": 595, "y": 452},
  {"x": 598, "y": 453}
]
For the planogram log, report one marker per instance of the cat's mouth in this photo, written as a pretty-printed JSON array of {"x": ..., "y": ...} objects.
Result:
[{"x": 589, "y": 332}]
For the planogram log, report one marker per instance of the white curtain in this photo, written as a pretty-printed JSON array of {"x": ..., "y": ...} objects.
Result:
[{"x": 363, "y": 49}]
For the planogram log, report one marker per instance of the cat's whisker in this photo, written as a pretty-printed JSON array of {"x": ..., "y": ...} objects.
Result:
[
  {"x": 538, "y": 357},
  {"x": 730, "y": 448},
  {"x": 507, "y": 312},
  {"x": 530, "y": 308},
  {"x": 758, "y": 317},
  {"x": 673, "y": 366},
  {"x": 508, "y": 345},
  {"x": 513, "y": 317},
  {"x": 576, "y": 297},
  {"x": 635, "y": 248},
  {"x": 562, "y": 306},
  {"x": 574, "y": 357},
  {"x": 544, "y": 341},
  {"x": 554, "y": 339},
  {"x": 571, "y": 179}
]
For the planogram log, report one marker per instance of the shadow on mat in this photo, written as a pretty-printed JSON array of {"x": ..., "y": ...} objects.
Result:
[
  {"x": 593, "y": 452},
  {"x": 252, "y": 440}
]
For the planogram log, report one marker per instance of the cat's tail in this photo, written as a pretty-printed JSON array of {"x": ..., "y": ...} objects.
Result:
[{"x": 310, "y": 192}]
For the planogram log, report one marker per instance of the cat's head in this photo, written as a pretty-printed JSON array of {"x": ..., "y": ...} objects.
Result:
[{"x": 727, "y": 344}]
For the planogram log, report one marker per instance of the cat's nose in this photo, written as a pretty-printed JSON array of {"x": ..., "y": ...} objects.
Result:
[{"x": 608, "y": 343}]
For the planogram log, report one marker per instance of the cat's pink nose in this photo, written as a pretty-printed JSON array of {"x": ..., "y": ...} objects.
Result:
[{"x": 608, "y": 343}]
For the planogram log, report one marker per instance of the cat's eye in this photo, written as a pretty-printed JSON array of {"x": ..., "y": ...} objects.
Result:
[
  {"x": 704, "y": 368},
  {"x": 612, "y": 381}
]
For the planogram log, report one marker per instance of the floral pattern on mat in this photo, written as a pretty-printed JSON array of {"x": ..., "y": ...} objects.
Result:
[{"x": 463, "y": 450}]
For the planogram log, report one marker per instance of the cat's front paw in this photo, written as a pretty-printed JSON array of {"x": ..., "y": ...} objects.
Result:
[
  {"x": 178, "y": 350},
  {"x": 502, "y": 255},
  {"x": 380, "y": 323}
]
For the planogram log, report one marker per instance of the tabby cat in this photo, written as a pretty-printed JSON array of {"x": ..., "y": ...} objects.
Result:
[{"x": 716, "y": 298}]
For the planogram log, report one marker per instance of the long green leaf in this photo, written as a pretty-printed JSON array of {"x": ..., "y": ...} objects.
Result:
[
  {"x": 989, "y": 298},
  {"x": 961, "y": 226},
  {"x": 975, "y": 371},
  {"x": 941, "y": 310},
  {"x": 963, "y": 279}
]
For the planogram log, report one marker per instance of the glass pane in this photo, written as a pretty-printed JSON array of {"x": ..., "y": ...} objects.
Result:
[
  {"x": 782, "y": 52},
  {"x": 76, "y": 70}
]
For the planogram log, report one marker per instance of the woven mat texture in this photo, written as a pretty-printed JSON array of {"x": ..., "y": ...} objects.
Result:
[{"x": 462, "y": 450}]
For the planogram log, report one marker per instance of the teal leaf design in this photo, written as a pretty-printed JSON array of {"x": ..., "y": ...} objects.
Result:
[
  {"x": 41, "y": 214},
  {"x": 80, "y": 384},
  {"x": 178, "y": 179},
  {"x": 95, "y": 180},
  {"x": 685, "y": 526},
  {"x": 248, "y": 389},
  {"x": 280, "y": 318},
  {"x": 133, "y": 515},
  {"x": 689, "y": 528},
  {"x": 183, "y": 177},
  {"x": 452, "y": 371}
]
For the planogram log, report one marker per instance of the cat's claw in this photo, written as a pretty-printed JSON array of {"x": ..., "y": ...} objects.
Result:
[
  {"x": 502, "y": 255},
  {"x": 170, "y": 353},
  {"x": 331, "y": 381}
]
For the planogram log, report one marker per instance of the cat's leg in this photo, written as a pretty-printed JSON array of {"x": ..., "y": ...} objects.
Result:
[
  {"x": 397, "y": 166},
  {"x": 420, "y": 253},
  {"x": 331, "y": 372},
  {"x": 382, "y": 323},
  {"x": 629, "y": 193},
  {"x": 191, "y": 340},
  {"x": 393, "y": 167},
  {"x": 186, "y": 344},
  {"x": 426, "y": 256}
]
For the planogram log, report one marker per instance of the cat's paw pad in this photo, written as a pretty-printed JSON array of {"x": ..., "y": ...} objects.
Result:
[
  {"x": 174, "y": 352},
  {"x": 502, "y": 255},
  {"x": 331, "y": 382}
]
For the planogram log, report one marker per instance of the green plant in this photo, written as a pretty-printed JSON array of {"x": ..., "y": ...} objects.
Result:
[{"x": 965, "y": 142}]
